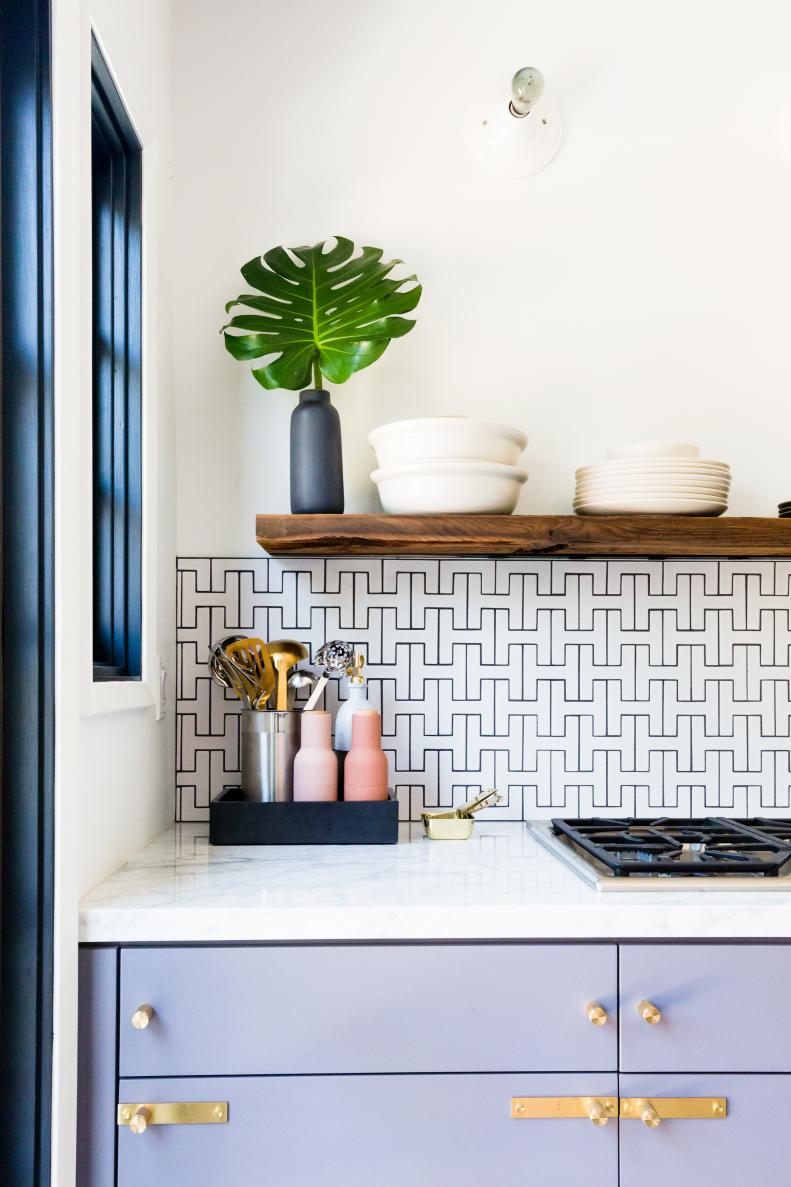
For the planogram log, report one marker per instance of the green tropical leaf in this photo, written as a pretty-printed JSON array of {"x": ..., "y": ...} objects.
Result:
[{"x": 323, "y": 307}]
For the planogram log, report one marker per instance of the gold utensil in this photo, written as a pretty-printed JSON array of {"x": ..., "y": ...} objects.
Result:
[
  {"x": 286, "y": 654},
  {"x": 456, "y": 824},
  {"x": 253, "y": 656}
]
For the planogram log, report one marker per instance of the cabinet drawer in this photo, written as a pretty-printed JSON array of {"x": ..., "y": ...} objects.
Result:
[
  {"x": 748, "y": 1146},
  {"x": 406, "y": 1008},
  {"x": 355, "y": 1131},
  {"x": 724, "y": 1008}
]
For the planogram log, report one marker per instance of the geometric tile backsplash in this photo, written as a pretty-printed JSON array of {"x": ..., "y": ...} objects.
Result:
[{"x": 575, "y": 687}]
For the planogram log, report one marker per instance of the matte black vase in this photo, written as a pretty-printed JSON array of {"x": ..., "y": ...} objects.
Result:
[{"x": 316, "y": 458}]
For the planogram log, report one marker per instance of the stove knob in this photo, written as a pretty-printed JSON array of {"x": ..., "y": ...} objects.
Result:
[
  {"x": 597, "y": 1015},
  {"x": 649, "y": 1012}
]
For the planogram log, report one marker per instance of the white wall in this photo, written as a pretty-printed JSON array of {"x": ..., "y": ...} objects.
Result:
[
  {"x": 637, "y": 288},
  {"x": 114, "y": 761}
]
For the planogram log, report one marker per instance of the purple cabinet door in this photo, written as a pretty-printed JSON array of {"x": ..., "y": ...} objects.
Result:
[
  {"x": 749, "y": 1146},
  {"x": 368, "y": 1009},
  {"x": 724, "y": 1007},
  {"x": 361, "y": 1131},
  {"x": 98, "y": 989}
]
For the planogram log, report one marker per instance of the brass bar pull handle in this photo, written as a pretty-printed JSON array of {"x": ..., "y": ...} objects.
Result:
[
  {"x": 597, "y": 1015},
  {"x": 598, "y": 1109},
  {"x": 649, "y": 1012},
  {"x": 648, "y": 1114},
  {"x": 597, "y": 1113},
  {"x": 142, "y": 1016},
  {"x": 139, "y": 1121},
  {"x": 673, "y": 1108},
  {"x": 190, "y": 1112}
]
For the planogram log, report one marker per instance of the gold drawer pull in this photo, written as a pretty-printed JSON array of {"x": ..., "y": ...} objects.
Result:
[
  {"x": 649, "y": 1012},
  {"x": 647, "y": 1113},
  {"x": 673, "y": 1108},
  {"x": 190, "y": 1112},
  {"x": 598, "y": 1109},
  {"x": 138, "y": 1122},
  {"x": 142, "y": 1016},
  {"x": 597, "y": 1015}
]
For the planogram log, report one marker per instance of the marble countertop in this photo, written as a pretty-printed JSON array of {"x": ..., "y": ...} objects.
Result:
[{"x": 499, "y": 885}]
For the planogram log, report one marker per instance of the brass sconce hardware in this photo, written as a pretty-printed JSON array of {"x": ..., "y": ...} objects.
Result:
[
  {"x": 191, "y": 1112},
  {"x": 142, "y": 1016},
  {"x": 649, "y": 1012},
  {"x": 598, "y": 1109},
  {"x": 597, "y": 1015},
  {"x": 673, "y": 1108}
]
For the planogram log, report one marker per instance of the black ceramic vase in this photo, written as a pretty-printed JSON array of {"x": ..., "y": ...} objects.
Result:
[{"x": 316, "y": 458}]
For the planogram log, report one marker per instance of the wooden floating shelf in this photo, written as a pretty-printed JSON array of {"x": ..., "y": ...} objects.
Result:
[{"x": 522, "y": 535}]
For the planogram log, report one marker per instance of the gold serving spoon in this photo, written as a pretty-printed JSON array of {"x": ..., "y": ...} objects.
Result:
[{"x": 286, "y": 654}]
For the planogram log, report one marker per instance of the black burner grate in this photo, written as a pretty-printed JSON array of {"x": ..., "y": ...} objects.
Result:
[{"x": 707, "y": 847}]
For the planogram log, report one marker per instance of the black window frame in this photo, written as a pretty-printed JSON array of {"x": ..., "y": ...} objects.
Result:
[{"x": 116, "y": 220}]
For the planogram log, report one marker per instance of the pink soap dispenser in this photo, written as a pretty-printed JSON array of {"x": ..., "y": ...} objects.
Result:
[
  {"x": 365, "y": 769},
  {"x": 315, "y": 764}
]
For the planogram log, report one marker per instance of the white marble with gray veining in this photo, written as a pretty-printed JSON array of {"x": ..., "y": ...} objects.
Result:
[{"x": 500, "y": 884}]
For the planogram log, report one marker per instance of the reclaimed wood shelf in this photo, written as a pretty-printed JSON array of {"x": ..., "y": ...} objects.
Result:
[{"x": 522, "y": 535}]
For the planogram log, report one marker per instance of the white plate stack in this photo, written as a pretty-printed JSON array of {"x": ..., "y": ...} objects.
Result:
[{"x": 653, "y": 478}]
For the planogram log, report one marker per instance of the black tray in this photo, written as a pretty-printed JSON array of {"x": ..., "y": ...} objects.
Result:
[{"x": 233, "y": 820}]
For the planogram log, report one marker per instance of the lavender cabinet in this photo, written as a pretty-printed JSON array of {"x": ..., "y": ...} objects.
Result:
[
  {"x": 397, "y": 1064},
  {"x": 356, "y": 1131},
  {"x": 749, "y": 1146},
  {"x": 387, "y": 1008},
  {"x": 723, "y": 1007}
]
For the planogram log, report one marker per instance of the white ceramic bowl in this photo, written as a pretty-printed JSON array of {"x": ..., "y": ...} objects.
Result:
[
  {"x": 449, "y": 487},
  {"x": 449, "y": 438},
  {"x": 657, "y": 449}
]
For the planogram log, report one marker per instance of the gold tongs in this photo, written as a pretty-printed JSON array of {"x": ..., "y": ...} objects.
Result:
[{"x": 456, "y": 824}]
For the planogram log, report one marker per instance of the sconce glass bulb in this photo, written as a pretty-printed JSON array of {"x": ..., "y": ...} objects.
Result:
[{"x": 527, "y": 87}]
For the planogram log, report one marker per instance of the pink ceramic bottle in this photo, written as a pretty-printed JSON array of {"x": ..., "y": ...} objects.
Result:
[
  {"x": 365, "y": 769},
  {"x": 315, "y": 765}
]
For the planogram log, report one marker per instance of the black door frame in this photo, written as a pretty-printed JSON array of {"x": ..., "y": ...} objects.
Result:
[{"x": 27, "y": 711}]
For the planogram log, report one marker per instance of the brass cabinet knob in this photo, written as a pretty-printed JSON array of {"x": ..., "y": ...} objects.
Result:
[
  {"x": 142, "y": 1016},
  {"x": 597, "y": 1015},
  {"x": 647, "y": 1114},
  {"x": 140, "y": 1119},
  {"x": 598, "y": 1113},
  {"x": 649, "y": 1012}
]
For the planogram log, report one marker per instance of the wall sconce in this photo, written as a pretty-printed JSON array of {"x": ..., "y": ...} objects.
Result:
[{"x": 518, "y": 137}]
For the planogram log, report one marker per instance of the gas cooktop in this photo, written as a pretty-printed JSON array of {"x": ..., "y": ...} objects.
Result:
[{"x": 673, "y": 853}]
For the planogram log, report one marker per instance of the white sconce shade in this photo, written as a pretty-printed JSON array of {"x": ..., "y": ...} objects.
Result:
[{"x": 517, "y": 138}]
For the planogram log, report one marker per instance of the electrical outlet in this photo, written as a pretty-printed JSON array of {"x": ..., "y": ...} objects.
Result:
[{"x": 161, "y": 699}]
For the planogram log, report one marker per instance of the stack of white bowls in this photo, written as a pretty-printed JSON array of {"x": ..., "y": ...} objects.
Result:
[
  {"x": 448, "y": 465},
  {"x": 653, "y": 478}
]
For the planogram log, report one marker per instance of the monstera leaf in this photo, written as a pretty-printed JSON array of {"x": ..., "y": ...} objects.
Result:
[{"x": 321, "y": 310}]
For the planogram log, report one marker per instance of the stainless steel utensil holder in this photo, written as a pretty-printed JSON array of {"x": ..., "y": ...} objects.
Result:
[{"x": 269, "y": 742}]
